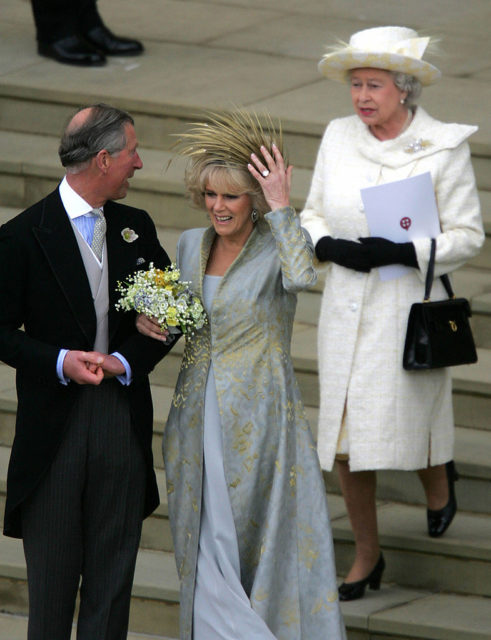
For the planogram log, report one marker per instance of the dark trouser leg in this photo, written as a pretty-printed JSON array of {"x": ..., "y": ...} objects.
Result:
[
  {"x": 56, "y": 19},
  {"x": 113, "y": 506},
  {"x": 52, "y": 536},
  {"x": 85, "y": 518}
]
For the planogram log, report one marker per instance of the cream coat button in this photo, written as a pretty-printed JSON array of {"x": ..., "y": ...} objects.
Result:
[
  {"x": 361, "y": 207},
  {"x": 353, "y": 306}
]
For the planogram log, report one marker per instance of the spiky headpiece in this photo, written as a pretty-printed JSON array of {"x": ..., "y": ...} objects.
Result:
[{"x": 228, "y": 139}]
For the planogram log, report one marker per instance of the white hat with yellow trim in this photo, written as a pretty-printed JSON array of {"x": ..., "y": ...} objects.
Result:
[{"x": 390, "y": 48}]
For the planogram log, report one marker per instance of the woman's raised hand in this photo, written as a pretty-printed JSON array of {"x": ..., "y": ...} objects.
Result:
[{"x": 274, "y": 179}]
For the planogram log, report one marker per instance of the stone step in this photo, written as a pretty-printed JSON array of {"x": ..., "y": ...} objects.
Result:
[
  {"x": 401, "y": 612},
  {"x": 472, "y": 455},
  {"x": 29, "y": 169},
  {"x": 156, "y": 532},
  {"x": 459, "y": 562},
  {"x": 471, "y": 384},
  {"x": 14, "y": 627},
  {"x": 472, "y": 459},
  {"x": 155, "y": 594},
  {"x": 472, "y": 380},
  {"x": 43, "y": 111}
]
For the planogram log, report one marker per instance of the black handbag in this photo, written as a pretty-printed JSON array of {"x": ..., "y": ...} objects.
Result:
[{"x": 438, "y": 333}]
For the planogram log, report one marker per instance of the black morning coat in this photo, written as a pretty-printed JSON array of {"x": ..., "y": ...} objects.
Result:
[{"x": 44, "y": 288}]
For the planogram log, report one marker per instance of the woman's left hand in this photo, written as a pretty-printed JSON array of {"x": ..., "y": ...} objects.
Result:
[
  {"x": 150, "y": 327},
  {"x": 274, "y": 179}
]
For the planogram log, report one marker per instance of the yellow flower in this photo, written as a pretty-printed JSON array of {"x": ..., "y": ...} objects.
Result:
[{"x": 172, "y": 317}]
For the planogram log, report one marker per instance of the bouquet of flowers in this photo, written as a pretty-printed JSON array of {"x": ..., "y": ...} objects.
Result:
[{"x": 160, "y": 294}]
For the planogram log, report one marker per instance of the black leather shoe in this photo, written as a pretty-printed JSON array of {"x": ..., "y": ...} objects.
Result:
[
  {"x": 104, "y": 40},
  {"x": 439, "y": 520},
  {"x": 356, "y": 590},
  {"x": 72, "y": 50}
]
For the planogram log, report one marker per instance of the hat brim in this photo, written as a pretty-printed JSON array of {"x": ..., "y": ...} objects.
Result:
[{"x": 336, "y": 65}]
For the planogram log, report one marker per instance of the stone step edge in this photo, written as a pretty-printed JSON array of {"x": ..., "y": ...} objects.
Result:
[
  {"x": 464, "y": 548},
  {"x": 416, "y": 539},
  {"x": 9, "y": 89},
  {"x": 387, "y": 611},
  {"x": 159, "y": 181},
  {"x": 467, "y": 439},
  {"x": 17, "y": 624}
]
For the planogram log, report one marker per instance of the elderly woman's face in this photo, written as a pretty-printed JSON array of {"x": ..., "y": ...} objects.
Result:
[
  {"x": 230, "y": 214},
  {"x": 375, "y": 97}
]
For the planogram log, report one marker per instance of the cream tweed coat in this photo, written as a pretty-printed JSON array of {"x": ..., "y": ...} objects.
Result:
[{"x": 394, "y": 419}]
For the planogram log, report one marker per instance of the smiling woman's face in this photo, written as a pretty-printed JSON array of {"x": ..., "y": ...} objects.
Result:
[
  {"x": 376, "y": 99},
  {"x": 230, "y": 214}
]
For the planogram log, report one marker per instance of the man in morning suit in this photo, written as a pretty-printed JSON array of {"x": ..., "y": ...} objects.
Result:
[{"x": 81, "y": 477}]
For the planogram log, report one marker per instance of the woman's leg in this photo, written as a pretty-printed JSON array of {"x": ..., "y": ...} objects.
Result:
[
  {"x": 435, "y": 485},
  {"x": 358, "y": 489}
]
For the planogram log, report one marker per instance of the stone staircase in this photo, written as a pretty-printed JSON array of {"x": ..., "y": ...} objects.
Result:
[{"x": 433, "y": 589}]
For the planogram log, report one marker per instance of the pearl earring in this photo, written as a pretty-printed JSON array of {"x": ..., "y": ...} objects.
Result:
[
  {"x": 402, "y": 100},
  {"x": 254, "y": 216}
]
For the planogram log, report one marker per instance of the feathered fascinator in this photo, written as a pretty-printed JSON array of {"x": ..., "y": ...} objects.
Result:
[{"x": 228, "y": 139}]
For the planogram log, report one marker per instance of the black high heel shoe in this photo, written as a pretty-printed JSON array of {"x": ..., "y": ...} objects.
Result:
[
  {"x": 439, "y": 519},
  {"x": 356, "y": 590}
]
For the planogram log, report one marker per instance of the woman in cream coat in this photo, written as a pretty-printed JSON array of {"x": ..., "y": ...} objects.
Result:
[
  {"x": 247, "y": 501},
  {"x": 374, "y": 414}
]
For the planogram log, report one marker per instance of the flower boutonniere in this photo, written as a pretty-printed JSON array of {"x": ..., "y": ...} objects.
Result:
[
  {"x": 129, "y": 235},
  {"x": 417, "y": 145}
]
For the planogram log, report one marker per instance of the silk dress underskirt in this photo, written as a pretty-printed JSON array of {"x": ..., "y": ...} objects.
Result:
[{"x": 222, "y": 610}]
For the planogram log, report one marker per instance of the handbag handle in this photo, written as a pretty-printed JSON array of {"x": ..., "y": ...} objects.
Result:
[{"x": 431, "y": 272}]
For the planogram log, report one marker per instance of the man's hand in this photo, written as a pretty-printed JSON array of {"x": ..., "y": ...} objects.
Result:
[
  {"x": 112, "y": 367},
  {"x": 84, "y": 367}
]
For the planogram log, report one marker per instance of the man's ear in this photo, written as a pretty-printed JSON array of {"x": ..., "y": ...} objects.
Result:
[{"x": 103, "y": 160}]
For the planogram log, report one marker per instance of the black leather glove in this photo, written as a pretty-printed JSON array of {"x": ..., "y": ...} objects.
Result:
[
  {"x": 346, "y": 253},
  {"x": 382, "y": 252}
]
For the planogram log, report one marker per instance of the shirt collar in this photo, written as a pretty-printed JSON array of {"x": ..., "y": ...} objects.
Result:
[{"x": 75, "y": 205}]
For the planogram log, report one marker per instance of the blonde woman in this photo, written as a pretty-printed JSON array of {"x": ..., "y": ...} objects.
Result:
[{"x": 247, "y": 501}]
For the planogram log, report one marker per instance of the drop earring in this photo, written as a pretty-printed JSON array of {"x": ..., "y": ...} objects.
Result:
[{"x": 254, "y": 216}]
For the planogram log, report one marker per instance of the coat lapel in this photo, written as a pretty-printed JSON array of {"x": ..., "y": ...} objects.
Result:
[{"x": 57, "y": 240}]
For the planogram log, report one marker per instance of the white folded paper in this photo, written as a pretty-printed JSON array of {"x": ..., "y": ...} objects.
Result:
[{"x": 401, "y": 211}]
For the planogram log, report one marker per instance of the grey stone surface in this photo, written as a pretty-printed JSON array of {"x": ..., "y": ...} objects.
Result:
[
  {"x": 215, "y": 53},
  {"x": 264, "y": 53},
  {"x": 15, "y": 628}
]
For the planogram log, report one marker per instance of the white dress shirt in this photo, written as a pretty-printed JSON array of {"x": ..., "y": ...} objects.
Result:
[{"x": 81, "y": 214}]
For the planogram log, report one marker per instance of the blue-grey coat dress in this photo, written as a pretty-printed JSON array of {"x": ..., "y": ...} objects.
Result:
[{"x": 271, "y": 466}]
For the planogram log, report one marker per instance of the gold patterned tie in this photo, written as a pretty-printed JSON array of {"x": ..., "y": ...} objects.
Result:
[{"x": 99, "y": 233}]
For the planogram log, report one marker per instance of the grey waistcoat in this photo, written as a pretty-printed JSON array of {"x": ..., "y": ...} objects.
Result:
[{"x": 99, "y": 288}]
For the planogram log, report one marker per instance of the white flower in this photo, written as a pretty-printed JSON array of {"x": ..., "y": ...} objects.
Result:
[{"x": 129, "y": 235}]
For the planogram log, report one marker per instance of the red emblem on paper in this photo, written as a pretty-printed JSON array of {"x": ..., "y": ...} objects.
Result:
[{"x": 405, "y": 223}]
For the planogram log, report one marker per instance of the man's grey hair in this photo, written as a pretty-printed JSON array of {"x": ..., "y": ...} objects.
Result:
[
  {"x": 409, "y": 84},
  {"x": 104, "y": 128}
]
